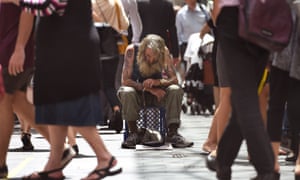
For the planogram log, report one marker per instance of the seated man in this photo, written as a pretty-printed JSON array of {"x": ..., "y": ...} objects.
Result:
[{"x": 149, "y": 77}]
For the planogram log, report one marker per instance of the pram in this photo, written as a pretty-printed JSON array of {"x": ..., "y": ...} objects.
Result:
[{"x": 198, "y": 96}]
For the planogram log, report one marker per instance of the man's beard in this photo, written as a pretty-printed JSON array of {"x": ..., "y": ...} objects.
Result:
[{"x": 147, "y": 70}]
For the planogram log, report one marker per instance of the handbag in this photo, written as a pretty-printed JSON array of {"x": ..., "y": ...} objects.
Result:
[
  {"x": 122, "y": 40},
  {"x": 205, "y": 52},
  {"x": 108, "y": 42},
  {"x": 108, "y": 39},
  {"x": 2, "y": 91},
  {"x": 266, "y": 23}
]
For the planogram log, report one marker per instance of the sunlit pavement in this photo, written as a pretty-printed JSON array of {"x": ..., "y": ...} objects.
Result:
[{"x": 175, "y": 164}]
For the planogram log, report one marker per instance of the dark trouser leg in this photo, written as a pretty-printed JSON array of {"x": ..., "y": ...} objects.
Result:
[
  {"x": 228, "y": 152},
  {"x": 109, "y": 69},
  {"x": 293, "y": 112},
  {"x": 277, "y": 102},
  {"x": 244, "y": 64}
]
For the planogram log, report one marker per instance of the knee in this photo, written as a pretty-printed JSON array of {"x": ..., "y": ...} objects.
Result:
[
  {"x": 175, "y": 90},
  {"x": 126, "y": 93}
]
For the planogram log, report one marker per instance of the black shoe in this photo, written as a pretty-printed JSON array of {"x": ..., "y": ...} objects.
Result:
[
  {"x": 116, "y": 122},
  {"x": 291, "y": 157},
  {"x": 3, "y": 172},
  {"x": 211, "y": 162},
  {"x": 26, "y": 140},
  {"x": 131, "y": 141},
  {"x": 267, "y": 176},
  {"x": 178, "y": 141}
]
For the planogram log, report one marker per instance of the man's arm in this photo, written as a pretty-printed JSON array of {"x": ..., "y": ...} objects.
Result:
[
  {"x": 16, "y": 62},
  {"x": 215, "y": 11},
  {"x": 128, "y": 69},
  {"x": 170, "y": 71}
]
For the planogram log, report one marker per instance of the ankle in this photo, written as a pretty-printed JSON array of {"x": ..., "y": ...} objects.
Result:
[{"x": 173, "y": 129}]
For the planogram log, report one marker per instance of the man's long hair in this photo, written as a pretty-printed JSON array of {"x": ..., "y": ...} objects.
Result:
[{"x": 157, "y": 45}]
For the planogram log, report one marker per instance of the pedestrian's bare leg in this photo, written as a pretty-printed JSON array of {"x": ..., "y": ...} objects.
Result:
[
  {"x": 25, "y": 111},
  {"x": 6, "y": 128},
  {"x": 91, "y": 135}
]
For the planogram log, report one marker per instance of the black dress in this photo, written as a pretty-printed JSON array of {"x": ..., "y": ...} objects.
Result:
[
  {"x": 67, "y": 55},
  {"x": 67, "y": 77}
]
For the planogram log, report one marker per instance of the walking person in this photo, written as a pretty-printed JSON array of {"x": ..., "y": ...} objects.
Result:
[
  {"x": 110, "y": 15},
  {"x": 136, "y": 26},
  {"x": 16, "y": 59},
  {"x": 62, "y": 50},
  {"x": 189, "y": 20},
  {"x": 162, "y": 23},
  {"x": 244, "y": 64},
  {"x": 285, "y": 93}
]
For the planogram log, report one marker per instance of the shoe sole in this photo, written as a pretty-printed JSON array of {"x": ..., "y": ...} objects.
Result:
[
  {"x": 183, "y": 146},
  {"x": 68, "y": 155}
]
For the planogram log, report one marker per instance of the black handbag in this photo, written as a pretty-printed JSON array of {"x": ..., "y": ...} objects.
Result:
[
  {"x": 109, "y": 38},
  {"x": 108, "y": 42}
]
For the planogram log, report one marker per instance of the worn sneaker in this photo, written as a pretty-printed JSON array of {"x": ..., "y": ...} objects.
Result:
[
  {"x": 178, "y": 141},
  {"x": 131, "y": 141}
]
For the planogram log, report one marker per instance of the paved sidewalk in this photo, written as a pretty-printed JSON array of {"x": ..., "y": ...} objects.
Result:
[{"x": 175, "y": 164}]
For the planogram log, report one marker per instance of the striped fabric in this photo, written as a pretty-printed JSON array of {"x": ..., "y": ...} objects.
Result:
[{"x": 44, "y": 7}]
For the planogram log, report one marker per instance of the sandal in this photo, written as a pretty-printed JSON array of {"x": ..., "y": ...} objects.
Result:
[
  {"x": 102, "y": 173},
  {"x": 3, "y": 172},
  {"x": 44, "y": 175}
]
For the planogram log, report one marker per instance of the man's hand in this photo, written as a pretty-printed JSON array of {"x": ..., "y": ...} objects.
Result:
[
  {"x": 16, "y": 62},
  {"x": 149, "y": 83},
  {"x": 158, "y": 92}
]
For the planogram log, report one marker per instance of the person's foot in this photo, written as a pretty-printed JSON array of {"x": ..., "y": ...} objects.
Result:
[
  {"x": 178, "y": 141},
  {"x": 26, "y": 140},
  {"x": 208, "y": 147},
  {"x": 132, "y": 140},
  {"x": 54, "y": 174},
  {"x": 291, "y": 157},
  {"x": 102, "y": 172},
  {"x": 211, "y": 161}
]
